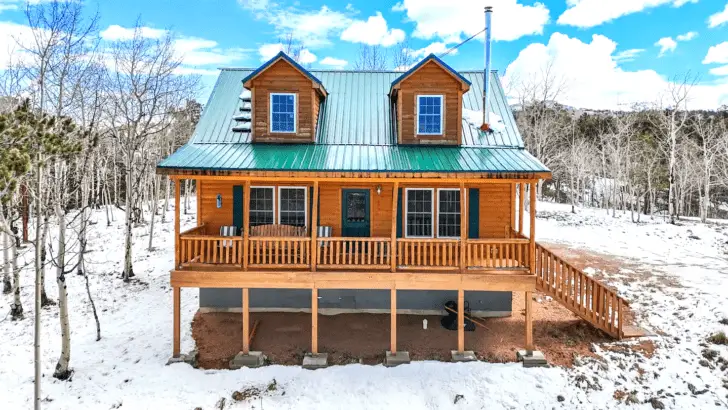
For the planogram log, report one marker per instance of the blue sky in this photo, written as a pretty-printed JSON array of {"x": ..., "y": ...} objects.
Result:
[{"x": 607, "y": 53}]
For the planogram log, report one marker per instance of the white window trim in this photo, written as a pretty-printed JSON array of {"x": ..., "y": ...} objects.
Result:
[
  {"x": 442, "y": 107},
  {"x": 272, "y": 188},
  {"x": 437, "y": 221},
  {"x": 295, "y": 113},
  {"x": 406, "y": 212},
  {"x": 305, "y": 201}
]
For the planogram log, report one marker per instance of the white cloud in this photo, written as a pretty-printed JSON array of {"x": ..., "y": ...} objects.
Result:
[
  {"x": 719, "y": 70},
  {"x": 590, "y": 13},
  {"x": 373, "y": 32},
  {"x": 452, "y": 19},
  {"x": 718, "y": 18},
  {"x": 628, "y": 55},
  {"x": 436, "y": 48},
  {"x": 334, "y": 62},
  {"x": 12, "y": 37},
  {"x": 201, "y": 52},
  {"x": 268, "y": 51},
  {"x": 116, "y": 33},
  {"x": 594, "y": 79},
  {"x": 687, "y": 36},
  {"x": 666, "y": 44},
  {"x": 717, "y": 54},
  {"x": 310, "y": 28}
]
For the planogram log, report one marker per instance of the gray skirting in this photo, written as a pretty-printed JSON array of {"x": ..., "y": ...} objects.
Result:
[{"x": 343, "y": 300}]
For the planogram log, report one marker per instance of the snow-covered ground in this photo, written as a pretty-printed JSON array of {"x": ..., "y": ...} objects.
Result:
[{"x": 677, "y": 280}]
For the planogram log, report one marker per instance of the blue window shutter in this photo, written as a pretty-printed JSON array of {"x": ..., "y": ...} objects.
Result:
[
  {"x": 473, "y": 213},
  {"x": 238, "y": 207},
  {"x": 399, "y": 213}
]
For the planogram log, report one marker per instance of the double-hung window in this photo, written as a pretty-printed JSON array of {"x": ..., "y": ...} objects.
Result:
[
  {"x": 429, "y": 114},
  {"x": 283, "y": 112},
  {"x": 420, "y": 213},
  {"x": 419, "y": 209},
  {"x": 261, "y": 206},
  {"x": 448, "y": 213},
  {"x": 292, "y": 206}
]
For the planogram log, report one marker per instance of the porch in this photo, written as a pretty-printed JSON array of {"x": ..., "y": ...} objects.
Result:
[{"x": 424, "y": 234}]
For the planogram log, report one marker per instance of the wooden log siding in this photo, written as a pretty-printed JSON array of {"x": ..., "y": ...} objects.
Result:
[
  {"x": 430, "y": 79},
  {"x": 281, "y": 77}
]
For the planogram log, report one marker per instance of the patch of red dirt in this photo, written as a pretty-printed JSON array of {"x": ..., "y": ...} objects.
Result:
[{"x": 363, "y": 337}]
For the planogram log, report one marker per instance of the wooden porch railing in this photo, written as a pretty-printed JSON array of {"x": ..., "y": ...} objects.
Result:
[
  {"x": 434, "y": 254},
  {"x": 580, "y": 293},
  {"x": 279, "y": 252},
  {"x": 353, "y": 253},
  {"x": 496, "y": 253},
  {"x": 214, "y": 250}
]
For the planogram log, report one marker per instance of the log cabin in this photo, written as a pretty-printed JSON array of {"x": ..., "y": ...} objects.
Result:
[{"x": 353, "y": 191}]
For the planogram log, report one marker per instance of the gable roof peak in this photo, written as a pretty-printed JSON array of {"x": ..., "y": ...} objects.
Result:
[
  {"x": 432, "y": 57},
  {"x": 283, "y": 56}
]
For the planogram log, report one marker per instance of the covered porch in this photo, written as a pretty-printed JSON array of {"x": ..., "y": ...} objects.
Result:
[{"x": 386, "y": 234}]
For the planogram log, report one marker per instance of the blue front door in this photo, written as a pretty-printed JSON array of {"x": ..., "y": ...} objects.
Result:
[{"x": 355, "y": 213}]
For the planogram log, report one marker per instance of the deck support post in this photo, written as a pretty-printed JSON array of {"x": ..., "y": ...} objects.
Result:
[
  {"x": 177, "y": 182},
  {"x": 314, "y": 320},
  {"x": 246, "y": 321},
  {"x": 314, "y": 251},
  {"x": 532, "y": 238},
  {"x": 393, "y": 245},
  {"x": 461, "y": 320},
  {"x": 529, "y": 322},
  {"x": 521, "y": 200},
  {"x": 393, "y": 314},
  {"x": 463, "y": 226},
  {"x": 176, "y": 320},
  {"x": 246, "y": 223}
]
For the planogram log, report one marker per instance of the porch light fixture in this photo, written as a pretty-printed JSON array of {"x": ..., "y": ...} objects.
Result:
[
  {"x": 219, "y": 201},
  {"x": 379, "y": 190}
]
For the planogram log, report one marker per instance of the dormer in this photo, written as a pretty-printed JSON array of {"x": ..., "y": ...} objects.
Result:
[
  {"x": 428, "y": 100},
  {"x": 285, "y": 100}
]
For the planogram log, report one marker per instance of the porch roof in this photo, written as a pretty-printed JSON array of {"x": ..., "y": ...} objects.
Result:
[{"x": 351, "y": 158}]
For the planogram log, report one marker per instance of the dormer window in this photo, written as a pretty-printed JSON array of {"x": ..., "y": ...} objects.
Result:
[
  {"x": 283, "y": 112},
  {"x": 429, "y": 114}
]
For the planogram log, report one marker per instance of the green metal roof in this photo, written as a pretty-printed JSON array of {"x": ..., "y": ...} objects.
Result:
[
  {"x": 354, "y": 133},
  {"x": 356, "y": 110},
  {"x": 351, "y": 158}
]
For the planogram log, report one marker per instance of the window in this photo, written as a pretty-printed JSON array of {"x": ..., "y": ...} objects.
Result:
[
  {"x": 261, "y": 206},
  {"x": 448, "y": 213},
  {"x": 418, "y": 211},
  {"x": 292, "y": 206},
  {"x": 429, "y": 114},
  {"x": 283, "y": 112}
]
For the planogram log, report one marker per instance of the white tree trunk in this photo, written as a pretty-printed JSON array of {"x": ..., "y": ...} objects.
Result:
[
  {"x": 7, "y": 284},
  {"x": 154, "y": 202},
  {"x": 62, "y": 371},
  {"x": 128, "y": 269}
]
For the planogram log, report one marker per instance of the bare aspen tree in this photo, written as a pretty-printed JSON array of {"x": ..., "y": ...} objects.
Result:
[
  {"x": 670, "y": 124},
  {"x": 143, "y": 91},
  {"x": 708, "y": 132},
  {"x": 371, "y": 58}
]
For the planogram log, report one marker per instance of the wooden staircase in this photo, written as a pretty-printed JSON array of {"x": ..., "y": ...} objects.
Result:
[{"x": 588, "y": 298}]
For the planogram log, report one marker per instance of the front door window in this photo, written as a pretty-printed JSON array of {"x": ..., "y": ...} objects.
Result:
[{"x": 355, "y": 213}]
